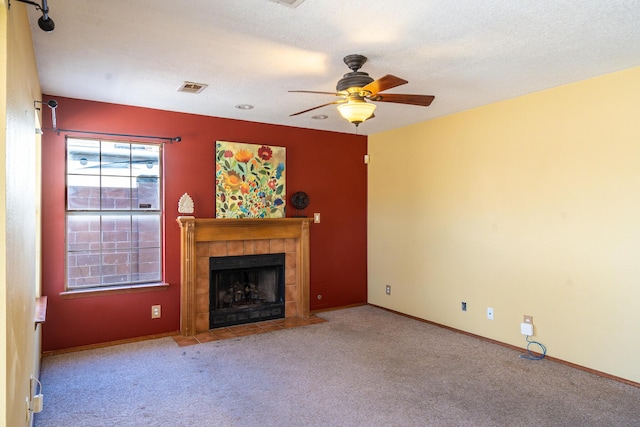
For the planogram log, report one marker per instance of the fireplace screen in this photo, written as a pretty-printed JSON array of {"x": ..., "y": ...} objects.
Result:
[{"x": 245, "y": 289}]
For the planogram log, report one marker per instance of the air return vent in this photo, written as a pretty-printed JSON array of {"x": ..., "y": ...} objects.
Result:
[
  {"x": 290, "y": 3},
  {"x": 191, "y": 87}
]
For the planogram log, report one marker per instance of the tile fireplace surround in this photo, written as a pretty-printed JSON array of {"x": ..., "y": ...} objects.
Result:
[{"x": 201, "y": 238}]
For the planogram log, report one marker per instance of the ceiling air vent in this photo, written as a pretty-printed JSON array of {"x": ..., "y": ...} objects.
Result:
[
  {"x": 291, "y": 3},
  {"x": 191, "y": 87}
]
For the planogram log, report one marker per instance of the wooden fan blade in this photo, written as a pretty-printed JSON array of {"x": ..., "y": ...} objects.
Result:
[
  {"x": 315, "y": 108},
  {"x": 422, "y": 100},
  {"x": 313, "y": 91},
  {"x": 384, "y": 83}
]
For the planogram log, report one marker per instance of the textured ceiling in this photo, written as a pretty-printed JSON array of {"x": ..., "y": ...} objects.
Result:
[{"x": 465, "y": 52}]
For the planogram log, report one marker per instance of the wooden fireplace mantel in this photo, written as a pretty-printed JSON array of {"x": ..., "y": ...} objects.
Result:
[{"x": 196, "y": 230}]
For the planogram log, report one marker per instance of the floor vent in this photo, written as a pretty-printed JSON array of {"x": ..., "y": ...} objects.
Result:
[{"x": 191, "y": 87}]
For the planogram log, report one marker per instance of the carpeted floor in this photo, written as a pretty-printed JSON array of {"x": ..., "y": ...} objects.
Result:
[{"x": 364, "y": 367}]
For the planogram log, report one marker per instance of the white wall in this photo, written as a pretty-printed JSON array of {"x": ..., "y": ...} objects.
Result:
[{"x": 530, "y": 206}]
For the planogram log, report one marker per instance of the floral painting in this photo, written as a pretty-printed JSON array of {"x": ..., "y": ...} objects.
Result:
[{"x": 250, "y": 180}]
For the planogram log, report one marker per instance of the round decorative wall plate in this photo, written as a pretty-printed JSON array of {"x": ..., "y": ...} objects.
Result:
[{"x": 300, "y": 200}]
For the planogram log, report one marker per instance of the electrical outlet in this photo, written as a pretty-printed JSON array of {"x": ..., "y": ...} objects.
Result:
[
  {"x": 156, "y": 311},
  {"x": 388, "y": 290},
  {"x": 464, "y": 306},
  {"x": 316, "y": 217},
  {"x": 489, "y": 313},
  {"x": 528, "y": 319}
]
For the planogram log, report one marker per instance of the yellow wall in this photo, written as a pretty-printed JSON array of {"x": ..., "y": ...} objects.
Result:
[
  {"x": 19, "y": 341},
  {"x": 3, "y": 246},
  {"x": 530, "y": 206}
]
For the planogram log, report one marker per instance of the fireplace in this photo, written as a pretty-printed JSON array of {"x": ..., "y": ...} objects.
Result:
[
  {"x": 203, "y": 238},
  {"x": 245, "y": 289}
]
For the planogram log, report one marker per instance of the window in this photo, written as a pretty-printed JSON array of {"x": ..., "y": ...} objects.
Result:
[{"x": 114, "y": 213}]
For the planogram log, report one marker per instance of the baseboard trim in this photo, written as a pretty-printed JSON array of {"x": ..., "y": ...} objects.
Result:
[
  {"x": 514, "y": 347},
  {"x": 322, "y": 310},
  {"x": 108, "y": 344}
]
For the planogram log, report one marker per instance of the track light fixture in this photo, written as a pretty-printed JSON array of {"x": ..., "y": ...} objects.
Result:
[
  {"x": 53, "y": 104},
  {"x": 45, "y": 23}
]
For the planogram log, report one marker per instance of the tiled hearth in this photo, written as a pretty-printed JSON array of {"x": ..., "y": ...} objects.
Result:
[
  {"x": 248, "y": 329},
  {"x": 204, "y": 238}
]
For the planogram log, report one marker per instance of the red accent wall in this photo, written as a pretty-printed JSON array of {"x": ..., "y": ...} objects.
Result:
[{"x": 326, "y": 165}]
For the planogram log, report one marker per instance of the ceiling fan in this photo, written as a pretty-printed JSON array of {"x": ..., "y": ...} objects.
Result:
[{"x": 356, "y": 87}]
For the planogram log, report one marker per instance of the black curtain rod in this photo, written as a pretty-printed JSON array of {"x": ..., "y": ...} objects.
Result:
[{"x": 164, "y": 138}]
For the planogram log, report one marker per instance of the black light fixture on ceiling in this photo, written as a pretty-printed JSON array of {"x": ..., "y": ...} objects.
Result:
[{"x": 45, "y": 23}]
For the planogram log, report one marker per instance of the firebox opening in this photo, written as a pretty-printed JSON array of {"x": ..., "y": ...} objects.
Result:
[{"x": 245, "y": 289}]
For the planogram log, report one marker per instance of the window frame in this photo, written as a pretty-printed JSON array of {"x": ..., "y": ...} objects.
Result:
[{"x": 101, "y": 213}]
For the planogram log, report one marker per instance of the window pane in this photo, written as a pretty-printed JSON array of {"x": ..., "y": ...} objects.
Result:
[
  {"x": 147, "y": 193},
  {"x": 145, "y": 160},
  {"x": 83, "y": 192},
  {"x": 83, "y": 233},
  {"x": 116, "y": 267},
  {"x": 83, "y": 157},
  {"x": 116, "y": 193},
  {"x": 116, "y": 232},
  {"x": 116, "y": 158},
  {"x": 83, "y": 269},
  {"x": 145, "y": 231},
  {"x": 145, "y": 265}
]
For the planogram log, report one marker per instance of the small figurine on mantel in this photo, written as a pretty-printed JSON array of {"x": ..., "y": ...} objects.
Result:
[{"x": 185, "y": 204}]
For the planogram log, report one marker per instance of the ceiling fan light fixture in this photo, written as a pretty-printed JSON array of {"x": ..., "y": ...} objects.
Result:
[
  {"x": 356, "y": 111},
  {"x": 356, "y": 87}
]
